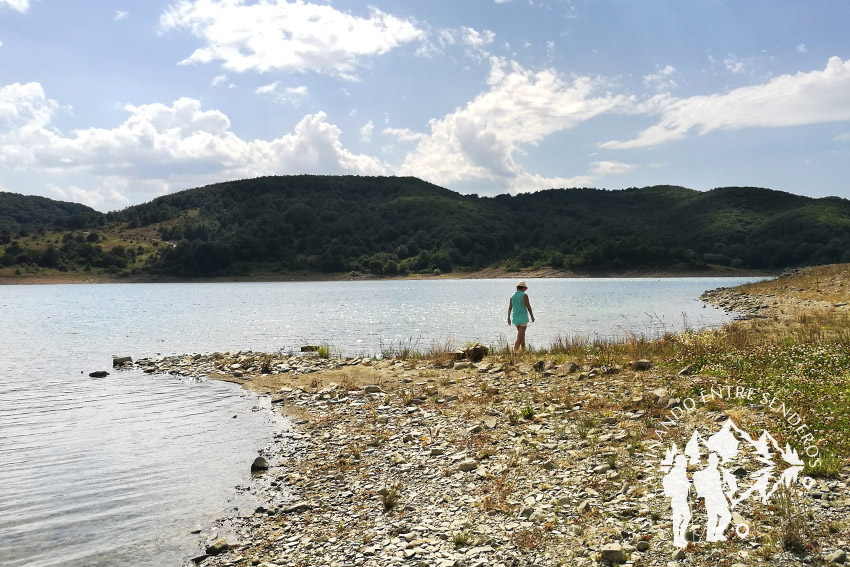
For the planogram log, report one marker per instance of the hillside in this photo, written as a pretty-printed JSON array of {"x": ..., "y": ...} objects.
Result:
[
  {"x": 388, "y": 226},
  {"x": 28, "y": 213}
]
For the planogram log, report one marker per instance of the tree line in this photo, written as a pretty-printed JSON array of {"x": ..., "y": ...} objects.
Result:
[{"x": 390, "y": 225}]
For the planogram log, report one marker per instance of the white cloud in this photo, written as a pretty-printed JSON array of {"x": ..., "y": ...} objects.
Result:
[
  {"x": 474, "y": 42},
  {"x": 286, "y": 95},
  {"x": 603, "y": 168},
  {"x": 107, "y": 195},
  {"x": 788, "y": 100},
  {"x": 802, "y": 48},
  {"x": 18, "y": 5},
  {"x": 404, "y": 134},
  {"x": 734, "y": 65},
  {"x": 662, "y": 80},
  {"x": 120, "y": 15},
  {"x": 521, "y": 107},
  {"x": 844, "y": 137},
  {"x": 477, "y": 39},
  {"x": 219, "y": 80},
  {"x": 161, "y": 147},
  {"x": 276, "y": 35},
  {"x": 267, "y": 89},
  {"x": 366, "y": 131}
]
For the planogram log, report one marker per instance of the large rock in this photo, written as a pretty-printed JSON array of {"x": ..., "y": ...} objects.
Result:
[
  {"x": 99, "y": 374},
  {"x": 218, "y": 547},
  {"x": 467, "y": 465},
  {"x": 839, "y": 556},
  {"x": 121, "y": 360},
  {"x": 475, "y": 353},
  {"x": 259, "y": 464},
  {"x": 613, "y": 553}
]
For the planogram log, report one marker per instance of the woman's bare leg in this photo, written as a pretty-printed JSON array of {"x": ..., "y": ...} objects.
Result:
[{"x": 520, "y": 338}]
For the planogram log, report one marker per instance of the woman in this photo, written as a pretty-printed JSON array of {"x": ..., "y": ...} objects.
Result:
[{"x": 521, "y": 308}]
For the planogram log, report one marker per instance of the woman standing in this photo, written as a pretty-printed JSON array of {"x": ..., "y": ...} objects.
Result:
[{"x": 521, "y": 309}]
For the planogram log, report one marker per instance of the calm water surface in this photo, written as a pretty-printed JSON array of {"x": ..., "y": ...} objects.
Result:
[{"x": 122, "y": 469}]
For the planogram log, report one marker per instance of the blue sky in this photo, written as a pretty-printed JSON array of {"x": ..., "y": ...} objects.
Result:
[{"x": 113, "y": 103}]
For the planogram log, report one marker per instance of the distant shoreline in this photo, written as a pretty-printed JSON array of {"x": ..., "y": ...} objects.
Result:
[{"x": 60, "y": 278}]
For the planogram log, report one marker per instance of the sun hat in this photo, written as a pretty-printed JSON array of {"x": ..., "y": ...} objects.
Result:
[{"x": 522, "y": 284}]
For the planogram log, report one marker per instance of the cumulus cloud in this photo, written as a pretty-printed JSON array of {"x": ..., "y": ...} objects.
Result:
[
  {"x": 788, "y": 100},
  {"x": 120, "y": 15},
  {"x": 161, "y": 146},
  {"x": 520, "y": 108},
  {"x": 277, "y": 35},
  {"x": 18, "y": 5},
  {"x": 802, "y": 48},
  {"x": 843, "y": 137}
]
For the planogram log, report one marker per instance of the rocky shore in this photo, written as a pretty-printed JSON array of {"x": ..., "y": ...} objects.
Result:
[
  {"x": 823, "y": 287},
  {"x": 454, "y": 464}
]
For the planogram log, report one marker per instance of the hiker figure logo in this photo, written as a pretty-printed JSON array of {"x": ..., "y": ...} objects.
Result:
[{"x": 728, "y": 468}]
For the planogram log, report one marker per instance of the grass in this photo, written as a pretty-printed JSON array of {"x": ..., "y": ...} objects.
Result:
[
  {"x": 793, "y": 527},
  {"x": 390, "y": 496},
  {"x": 802, "y": 358}
]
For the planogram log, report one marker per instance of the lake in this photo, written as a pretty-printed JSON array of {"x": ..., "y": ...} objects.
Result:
[{"x": 122, "y": 469}]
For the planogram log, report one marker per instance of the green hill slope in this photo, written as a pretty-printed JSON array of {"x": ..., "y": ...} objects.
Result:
[
  {"x": 28, "y": 213},
  {"x": 388, "y": 226}
]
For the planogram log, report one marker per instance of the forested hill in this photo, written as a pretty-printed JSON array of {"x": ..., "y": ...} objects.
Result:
[
  {"x": 387, "y": 225},
  {"x": 20, "y": 212}
]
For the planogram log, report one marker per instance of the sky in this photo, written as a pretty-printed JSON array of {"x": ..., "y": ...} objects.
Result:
[{"x": 113, "y": 103}]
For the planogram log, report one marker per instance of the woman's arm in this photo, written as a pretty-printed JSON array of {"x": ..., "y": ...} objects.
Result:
[
  {"x": 510, "y": 306},
  {"x": 528, "y": 306}
]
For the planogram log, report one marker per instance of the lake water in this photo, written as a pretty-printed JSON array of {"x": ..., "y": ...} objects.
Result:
[{"x": 122, "y": 469}]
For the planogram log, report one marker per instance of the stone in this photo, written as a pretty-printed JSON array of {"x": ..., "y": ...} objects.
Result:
[
  {"x": 121, "y": 360},
  {"x": 467, "y": 465},
  {"x": 583, "y": 507},
  {"x": 373, "y": 389},
  {"x": 838, "y": 556},
  {"x": 475, "y": 429},
  {"x": 679, "y": 554},
  {"x": 642, "y": 546},
  {"x": 689, "y": 369},
  {"x": 297, "y": 507},
  {"x": 259, "y": 464},
  {"x": 99, "y": 374},
  {"x": 642, "y": 364},
  {"x": 613, "y": 553},
  {"x": 218, "y": 547},
  {"x": 475, "y": 353}
]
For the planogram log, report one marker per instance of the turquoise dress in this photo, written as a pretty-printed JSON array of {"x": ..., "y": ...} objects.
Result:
[{"x": 519, "y": 314}]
